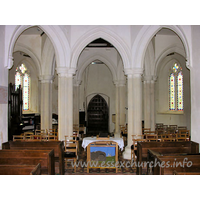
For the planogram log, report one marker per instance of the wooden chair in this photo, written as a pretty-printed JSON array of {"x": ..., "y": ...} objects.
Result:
[
  {"x": 81, "y": 130},
  {"x": 144, "y": 130},
  {"x": 172, "y": 129},
  {"x": 122, "y": 128},
  {"x": 134, "y": 145},
  {"x": 182, "y": 128},
  {"x": 35, "y": 138},
  {"x": 168, "y": 137},
  {"x": 71, "y": 151},
  {"x": 151, "y": 136},
  {"x": 184, "y": 132},
  {"x": 28, "y": 135},
  {"x": 158, "y": 126},
  {"x": 52, "y": 138},
  {"x": 52, "y": 132},
  {"x": 160, "y": 132},
  {"x": 39, "y": 132},
  {"x": 183, "y": 135},
  {"x": 124, "y": 132},
  {"x": 18, "y": 138}
]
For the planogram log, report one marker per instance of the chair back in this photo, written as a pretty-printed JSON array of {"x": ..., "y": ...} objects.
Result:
[
  {"x": 151, "y": 136},
  {"x": 71, "y": 146},
  {"x": 40, "y": 132},
  {"x": 18, "y": 138},
  {"x": 183, "y": 135}
]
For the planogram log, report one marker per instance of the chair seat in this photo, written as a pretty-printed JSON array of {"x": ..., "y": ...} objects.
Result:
[{"x": 70, "y": 155}]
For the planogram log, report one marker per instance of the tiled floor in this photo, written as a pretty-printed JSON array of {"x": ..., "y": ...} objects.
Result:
[{"x": 82, "y": 170}]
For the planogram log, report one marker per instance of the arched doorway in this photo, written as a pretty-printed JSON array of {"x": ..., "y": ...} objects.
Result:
[{"x": 97, "y": 116}]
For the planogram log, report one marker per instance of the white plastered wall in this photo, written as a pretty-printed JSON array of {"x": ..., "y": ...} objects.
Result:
[
  {"x": 170, "y": 44},
  {"x": 97, "y": 79},
  {"x": 3, "y": 90}
]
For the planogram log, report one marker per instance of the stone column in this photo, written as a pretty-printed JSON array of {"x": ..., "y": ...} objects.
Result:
[
  {"x": 147, "y": 101},
  {"x": 134, "y": 107},
  {"x": 122, "y": 100},
  {"x": 46, "y": 101},
  {"x": 127, "y": 152},
  {"x": 137, "y": 101},
  {"x": 152, "y": 87},
  {"x": 117, "y": 102},
  {"x": 65, "y": 102},
  {"x": 120, "y": 106},
  {"x": 76, "y": 102},
  {"x": 69, "y": 116}
]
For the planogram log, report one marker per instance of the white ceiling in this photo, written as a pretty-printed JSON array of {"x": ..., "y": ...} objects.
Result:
[
  {"x": 33, "y": 31},
  {"x": 37, "y": 31}
]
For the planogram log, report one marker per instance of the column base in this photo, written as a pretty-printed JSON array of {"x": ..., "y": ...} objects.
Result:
[{"x": 127, "y": 153}]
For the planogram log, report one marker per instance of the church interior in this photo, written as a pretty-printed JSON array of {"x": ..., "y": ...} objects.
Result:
[{"x": 87, "y": 94}]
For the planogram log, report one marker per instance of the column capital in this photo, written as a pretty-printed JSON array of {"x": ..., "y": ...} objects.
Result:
[
  {"x": 120, "y": 83},
  {"x": 133, "y": 71},
  {"x": 77, "y": 83},
  {"x": 128, "y": 71},
  {"x": 147, "y": 77},
  {"x": 10, "y": 62},
  {"x": 65, "y": 71},
  {"x": 46, "y": 78},
  {"x": 154, "y": 79},
  {"x": 150, "y": 78},
  {"x": 138, "y": 71},
  {"x": 187, "y": 63}
]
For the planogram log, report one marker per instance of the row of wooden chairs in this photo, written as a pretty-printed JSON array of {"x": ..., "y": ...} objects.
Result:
[
  {"x": 160, "y": 127},
  {"x": 40, "y": 135},
  {"x": 149, "y": 136},
  {"x": 35, "y": 138}
]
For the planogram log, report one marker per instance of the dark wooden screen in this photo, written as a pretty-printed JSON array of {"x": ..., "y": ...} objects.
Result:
[
  {"x": 14, "y": 110},
  {"x": 97, "y": 116}
]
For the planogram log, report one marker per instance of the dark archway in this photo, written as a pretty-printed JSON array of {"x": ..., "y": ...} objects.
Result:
[{"x": 97, "y": 116}]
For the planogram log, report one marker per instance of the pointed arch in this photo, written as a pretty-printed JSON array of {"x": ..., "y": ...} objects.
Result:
[
  {"x": 165, "y": 53},
  {"x": 23, "y": 48},
  {"x": 102, "y": 58},
  {"x": 47, "y": 58},
  {"x": 101, "y": 32},
  {"x": 144, "y": 37},
  {"x": 55, "y": 34}
]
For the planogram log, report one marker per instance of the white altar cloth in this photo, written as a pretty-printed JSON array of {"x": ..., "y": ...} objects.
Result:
[{"x": 88, "y": 140}]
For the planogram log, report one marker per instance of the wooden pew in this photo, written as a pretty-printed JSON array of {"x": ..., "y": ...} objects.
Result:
[
  {"x": 29, "y": 157},
  {"x": 57, "y": 146},
  {"x": 167, "y": 147},
  {"x": 186, "y": 173},
  {"x": 20, "y": 169},
  {"x": 153, "y": 154},
  {"x": 166, "y": 165}
]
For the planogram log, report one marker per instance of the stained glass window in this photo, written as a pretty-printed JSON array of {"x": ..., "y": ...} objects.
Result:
[
  {"x": 17, "y": 80},
  {"x": 175, "y": 67},
  {"x": 26, "y": 92},
  {"x": 180, "y": 91},
  {"x": 22, "y": 78},
  {"x": 172, "y": 92},
  {"x": 176, "y": 88}
]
